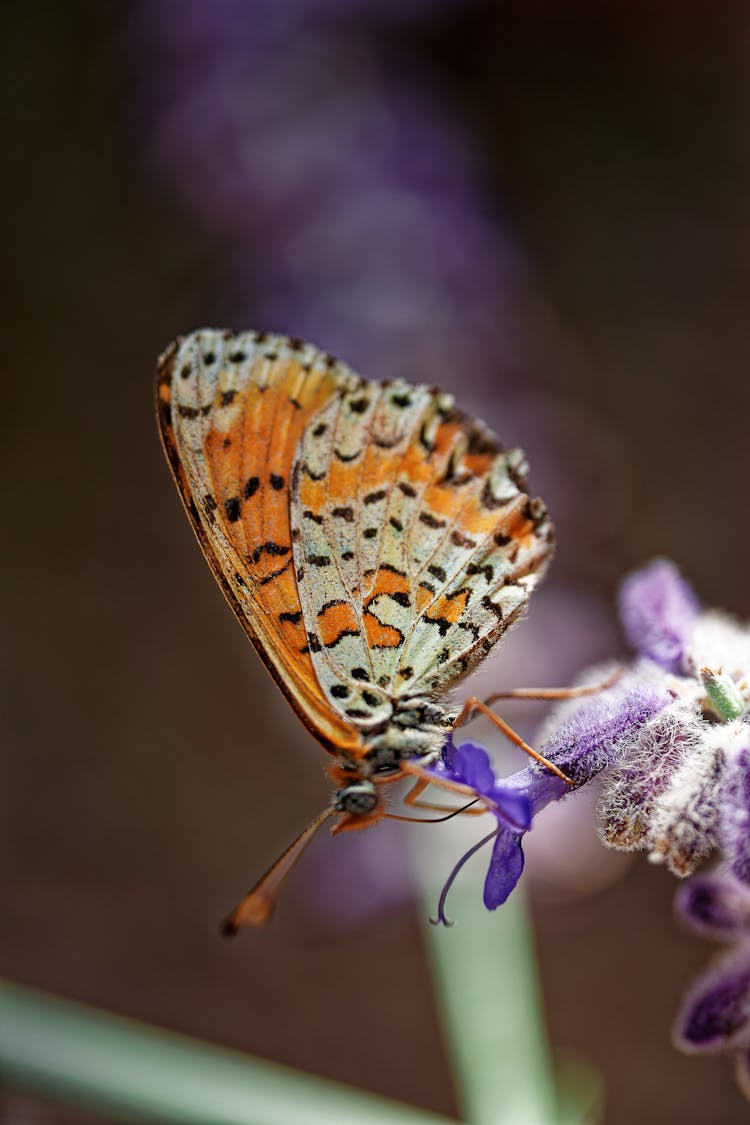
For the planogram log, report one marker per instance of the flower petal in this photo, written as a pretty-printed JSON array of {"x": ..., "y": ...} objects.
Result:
[
  {"x": 684, "y": 821},
  {"x": 471, "y": 765},
  {"x": 716, "y": 1012},
  {"x": 645, "y": 774},
  {"x": 505, "y": 868},
  {"x": 658, "y": 610},
  {"x": 734, "y": 828},
  {"x": 513, "y": 806},
  {"x": 715, "y": 905}
]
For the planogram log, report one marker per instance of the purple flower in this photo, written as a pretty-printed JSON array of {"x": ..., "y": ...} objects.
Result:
[
  {"x": 735, "y": 813},
  {"x": 715, "y": 905},
  {"x": 469, "y": 765},
  {"x": 715, "y": 1014},
  {"x": 658, "y": 610},
  {"x": 592, "y": 739},
  {"x": 681, "y": 787}
]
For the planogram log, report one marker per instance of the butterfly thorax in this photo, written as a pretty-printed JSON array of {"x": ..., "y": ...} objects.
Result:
[{"x": 416, "y": 730}]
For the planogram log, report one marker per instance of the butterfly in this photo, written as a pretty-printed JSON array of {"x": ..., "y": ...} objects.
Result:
[{"x": 373, "y": 541}]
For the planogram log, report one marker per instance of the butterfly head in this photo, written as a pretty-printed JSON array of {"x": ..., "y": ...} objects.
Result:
[{"x": 360, "y": 798}]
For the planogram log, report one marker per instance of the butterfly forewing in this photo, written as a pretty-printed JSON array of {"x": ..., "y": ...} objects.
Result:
[{"x": 232, "y": 410}]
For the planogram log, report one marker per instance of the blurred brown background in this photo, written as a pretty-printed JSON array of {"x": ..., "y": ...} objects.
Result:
[{"x": 572, "y": 185}]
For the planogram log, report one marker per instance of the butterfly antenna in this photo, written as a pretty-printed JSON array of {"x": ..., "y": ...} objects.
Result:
[{"x": 257, "y": 906}]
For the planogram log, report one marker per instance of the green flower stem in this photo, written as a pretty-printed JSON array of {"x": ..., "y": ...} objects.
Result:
[
  {"x": 139, "y": 1073},
  {"x": 486, "y": 981}
]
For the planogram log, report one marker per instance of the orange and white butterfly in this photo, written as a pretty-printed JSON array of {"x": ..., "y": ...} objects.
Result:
[{"x": 373, "y": 541}]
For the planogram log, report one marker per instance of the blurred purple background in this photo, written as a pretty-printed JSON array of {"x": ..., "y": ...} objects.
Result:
[{"x": 542, "y": 208}]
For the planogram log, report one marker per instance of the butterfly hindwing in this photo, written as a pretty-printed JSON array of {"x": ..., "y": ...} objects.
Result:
[{"x": 416, "y": 540}]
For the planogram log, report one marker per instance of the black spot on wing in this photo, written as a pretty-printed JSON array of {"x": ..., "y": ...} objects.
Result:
[
  {"x": 429, "y": 520},
  {"x": 275, "y": 573},
  {"x": 310, "y": 474},
  {"x": 340, "y": 636},
  {"x": 492, "y": 502},
  {"x": 399, "y": 597},
  {"x": 459, "y": 540},
  {"x": 488, "y": 603},
  {"x": 193, "y": 411},
  {"x": 441, "y": 623},
  {"x": 392, "y": 569},
  {"x": 486, "y": 570},
  {"x": 269, "y": 548}
]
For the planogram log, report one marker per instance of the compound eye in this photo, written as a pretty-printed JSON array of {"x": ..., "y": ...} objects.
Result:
[{"x": 357, "y": 799}]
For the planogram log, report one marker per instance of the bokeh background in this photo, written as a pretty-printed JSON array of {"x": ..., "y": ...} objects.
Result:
[{"x": 543, "y": 208}]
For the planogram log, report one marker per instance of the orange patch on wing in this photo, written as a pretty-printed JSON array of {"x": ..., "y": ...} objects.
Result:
[
  {"x": 381, "y": 636},
  {"x": 450, "y": 608},
  {"x": 388, "y": 582},
  {"x": 424, "y": 598},
  {"x": 479, "y": 463},
  {"x": 341, "y": 484},
  {"x": 336, "y": 621},
  {"x": 313, "y": 494},
  {"x": 517, "y": 526},
  {"x": 415, "y": 468}
]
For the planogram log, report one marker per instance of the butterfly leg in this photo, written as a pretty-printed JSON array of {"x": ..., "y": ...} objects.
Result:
[
  {"x": 473, "y": 705},
  {"x": 555, "y": 693},
  {"x": 424, "y": 778}
]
